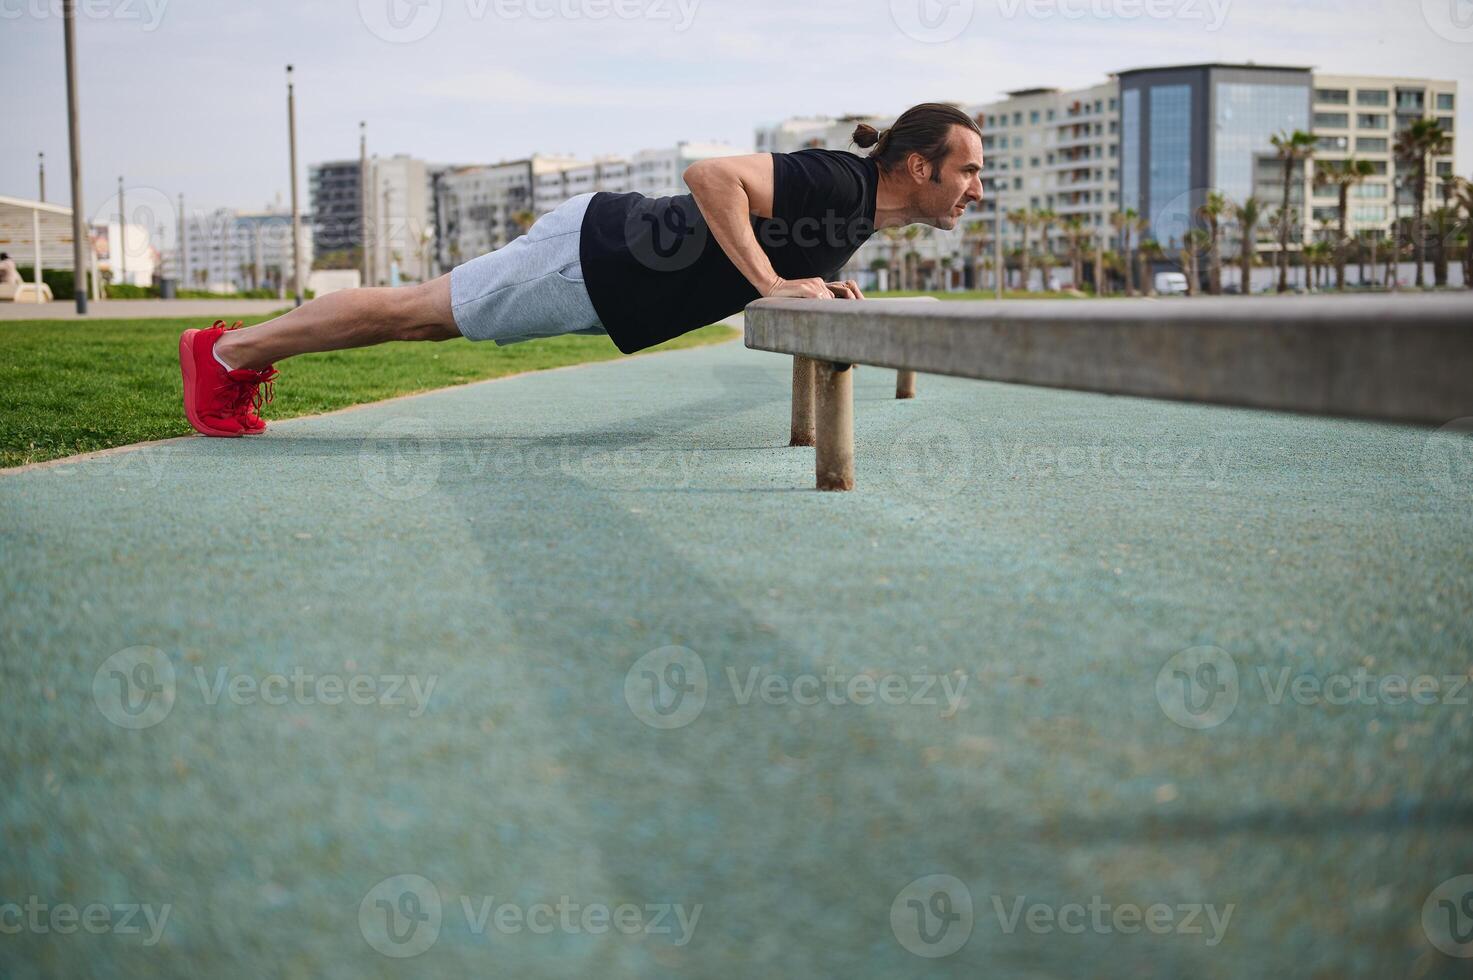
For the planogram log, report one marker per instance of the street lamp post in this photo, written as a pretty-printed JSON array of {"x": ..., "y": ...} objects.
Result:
[
  {"x": 363, "y": 194},
  {"x": 997, "y": 268},
  {"x": 1396, "y": 186},
  {"x": 183, "y": 248},
  {"x": 291, "y": 122},
  {"x": 79, "y": 268},
  {"x": 122, "y": 234},
  {"x": 41, "y": 164}
]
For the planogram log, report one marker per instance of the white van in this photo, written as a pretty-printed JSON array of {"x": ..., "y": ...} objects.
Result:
[{"x": 1171, "y": 283}]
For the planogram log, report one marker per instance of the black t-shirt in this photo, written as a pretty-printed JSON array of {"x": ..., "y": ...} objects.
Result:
[{"x": 654, "y": 270}]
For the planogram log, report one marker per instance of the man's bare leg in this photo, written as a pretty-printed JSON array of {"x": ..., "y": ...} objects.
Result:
[{"x": 349, "y": 318}]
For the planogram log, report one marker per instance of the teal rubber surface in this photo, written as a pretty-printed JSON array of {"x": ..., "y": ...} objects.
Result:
[{"x": 1074, "y": 613}]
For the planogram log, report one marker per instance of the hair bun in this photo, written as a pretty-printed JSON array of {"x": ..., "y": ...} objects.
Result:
[{"x": 866, "y": 135}]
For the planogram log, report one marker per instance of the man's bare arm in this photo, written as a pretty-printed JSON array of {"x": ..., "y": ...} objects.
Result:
[{"x": 729, "y": 190}]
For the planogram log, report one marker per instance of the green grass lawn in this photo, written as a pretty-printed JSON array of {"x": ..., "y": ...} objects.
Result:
[{"x": 73, "y": 387}]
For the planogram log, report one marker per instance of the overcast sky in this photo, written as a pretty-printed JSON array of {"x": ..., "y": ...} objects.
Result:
[{"x": 189, "y": 96}]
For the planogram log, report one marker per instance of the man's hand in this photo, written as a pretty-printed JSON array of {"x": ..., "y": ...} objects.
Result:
[
  {"x": 798, "y": 289},
  {"x": 848, "y": 289}
]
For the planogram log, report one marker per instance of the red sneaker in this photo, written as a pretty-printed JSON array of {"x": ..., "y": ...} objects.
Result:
[
  {"x": 252, "y": 399},
  {"x": 251, "y": 422},
  {"x": 213, "y": 397}
]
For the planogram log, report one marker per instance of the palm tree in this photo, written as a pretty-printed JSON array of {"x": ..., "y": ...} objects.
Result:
[
  {"x": 1024, "y": 219},
  {"x": 1074, "y": 234},
  {"x": 1196, "y": 242},
  {"x": 975, "y": 236},
  {"x": 1343, "y": 175},
  {"x": 1248, "y": 215},
  {"x": 1422, "y": 139},
  {"x": 1046, "y": 219},
  {"x": 1463, "y": 195},
  {"x": 1291, "y": 148},
  {"x": 1213, "y": 210},
  {"x": 1444, "y": 230},
  {"x": 1124, "y": 223},
  {"x": 1101, "y": 287},
  {"x": 1148, "y": 249}
]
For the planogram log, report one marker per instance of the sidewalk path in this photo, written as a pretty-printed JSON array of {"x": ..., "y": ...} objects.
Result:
[
  {"x": 143, "y": 309},
  {"x": 533, "y": 547}
]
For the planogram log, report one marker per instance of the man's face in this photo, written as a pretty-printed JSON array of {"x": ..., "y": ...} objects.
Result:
[{"x": 942, "y": 203}]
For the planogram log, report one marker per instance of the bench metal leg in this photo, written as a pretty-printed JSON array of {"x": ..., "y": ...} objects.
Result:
[
  {"x": 905, "y": 384},
  {"x": 802, "y": 434},
  {"x": 834, "y": 459}
]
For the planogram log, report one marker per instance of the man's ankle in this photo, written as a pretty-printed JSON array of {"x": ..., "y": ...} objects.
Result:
[{"x": 228, "y": 352}]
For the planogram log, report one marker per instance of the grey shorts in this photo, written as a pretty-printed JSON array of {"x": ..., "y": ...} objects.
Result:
[{"x": 530, "y": 288}]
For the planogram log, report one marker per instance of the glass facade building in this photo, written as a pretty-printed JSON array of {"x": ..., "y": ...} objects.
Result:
[{"x": 1199, "y": 128}]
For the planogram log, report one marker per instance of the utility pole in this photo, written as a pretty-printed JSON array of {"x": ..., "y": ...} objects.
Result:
[
  {"x": 363, "y": 193},
  {"x": 1000, "y": 271},
  {"x": 41, "y": 159},
  {"x": 122, "y": 234},
  {"x": 79, "y": 240},
  {"x": 183, "y": 248},
  {"x": 388, "y": 253},
  {"x": 291, "y": 122}
]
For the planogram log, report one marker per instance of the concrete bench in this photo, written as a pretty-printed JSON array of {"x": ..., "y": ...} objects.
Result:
[
  {"x": 1404, "y": 358},
  {"x": 23, "y": 292}
]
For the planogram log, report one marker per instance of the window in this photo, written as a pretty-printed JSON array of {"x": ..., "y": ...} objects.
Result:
[
  {"x": 1033, "y": 117},
  {"x": 1332, "y": 144},
  {"x": 1446, "y": 122},
  {"x": 1372, "y": 97},
  {"x": 1370, "y": 120},
  {"x": 1171, "y": 144},
  {"x": 1112, "y": 105},
  {"x": 1326, "y": 190},
  {"x": 1017, "y": 119},
  {"x": 1370, "y": 144},
  {"x": 1372, "y": 191},
  {"x": 1033, "y": 161},
  {"x": 1131, "y": 128},
  {"x": 1444, "y": 168},
  {"x": 1368, "y": 212},
  {"x": 1332, "y": 96},
  {"x": 1331, "y": 120},
  {"x": 1017, "y": 163},
  {"x": 1051, "y": 115},
  {"x": 1444, "y": 101},
  {"x": 1378, "y": 167},
  {"x": 1327, "y": 214}
]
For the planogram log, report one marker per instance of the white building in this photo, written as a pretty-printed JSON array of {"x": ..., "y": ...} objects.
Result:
[
  {"x": 234, "y": 251},
  {"x": 401, "y": 233},
  {"x": 661, "y": 173}
]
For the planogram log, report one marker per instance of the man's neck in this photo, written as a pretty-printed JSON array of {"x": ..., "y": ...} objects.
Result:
[{"x": 890, "y": 205}]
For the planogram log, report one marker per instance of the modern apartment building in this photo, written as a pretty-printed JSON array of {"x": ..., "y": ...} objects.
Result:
[
  {"x": 335, "y": 190},
  {"x": 661, "y": 173},
  {"x": 232, "y": 251},
  {"x": 1359, "y": 116},
  {"x": 1156, "y": 140}
]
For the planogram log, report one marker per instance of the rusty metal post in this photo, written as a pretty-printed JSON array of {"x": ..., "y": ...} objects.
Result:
[
  {"x": 802, "y": 428},
  {"x": 834, "y": 459},
  {"x": 905, "y": 384}
]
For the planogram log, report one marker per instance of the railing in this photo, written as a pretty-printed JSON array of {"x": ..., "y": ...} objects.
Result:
[{"x": 1398, "y": 358}]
